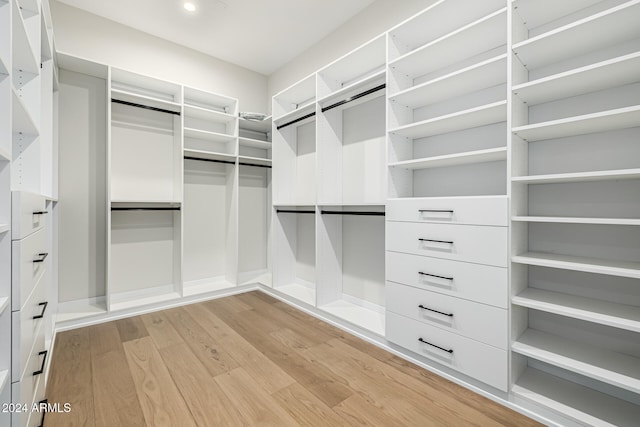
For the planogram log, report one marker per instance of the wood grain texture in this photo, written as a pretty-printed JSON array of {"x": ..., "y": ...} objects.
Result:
[{"x": 249, "y": 360}]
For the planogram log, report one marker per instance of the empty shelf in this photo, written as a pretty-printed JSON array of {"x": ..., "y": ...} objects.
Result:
[
  {"x": 74, "y": 310},
  {"x": 480, "y": 156},
  {"x": 4, "y": 228},
  {"x": 263, "y": 126},
  {"x": 149, "y": 101},
  {"x": 620, "y": 118},
  {"x": 603, "y": 365},
  {"x": 480, "y": 36},
  {"x": 588, "y": 309},
  {"x": 255, "y": 160},
  {"x": 123, "y": 302},
  {"x": 207, "y": 136},
  {"x": 209, "y": 155},
  {"x": 582, "y": 36},
  {"x": 474, "y": 117},
  {"x": 491, "y": 72},
  {"x": 577, "y": 220},
  {"x": 22, "y": 120},
  {"x": 255, "y": 143},
  {"x": 578, "y": 177},
  {"x": 300, "y": 292},
  {"x": 205, "y": 286},
  {"x": 602, "y": 75},
  {"x": 587, "y": 265},
  {"x": 207, "y": 114},
  {"x": 537, "y": 12},
  {"x": 366, "y": 318},
  {"x": 23, "y": 55},
  {"x": 303, "y": 110},
  {"x": 580, "y": 403},
  {"x": 358, "y": 86}
]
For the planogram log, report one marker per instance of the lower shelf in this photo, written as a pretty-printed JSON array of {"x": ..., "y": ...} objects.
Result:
[
  {"x": 198, "y": 287},
  {"x": 574, "y": 401},
  {"x": 74, "y": 310},
  {"x": 303, "y": 291},
  {"x": 126, "y": 300},
  {"x": 250, "y": 277},
  {"x": 371, "y": 319}
]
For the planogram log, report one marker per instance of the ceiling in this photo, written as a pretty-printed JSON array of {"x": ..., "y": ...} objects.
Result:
[{"x": 262, "y": 35}]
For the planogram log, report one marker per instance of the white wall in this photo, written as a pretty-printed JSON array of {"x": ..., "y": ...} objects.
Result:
[
  {"x": 371, "y": 22},
  {"x": 89, "y": 36}
]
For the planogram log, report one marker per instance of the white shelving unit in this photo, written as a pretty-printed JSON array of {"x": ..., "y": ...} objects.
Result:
[{"x": 574, "y": 277}]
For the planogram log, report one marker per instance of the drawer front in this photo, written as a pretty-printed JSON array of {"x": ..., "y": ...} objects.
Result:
[
  {"x": 454, "y": 210},
  {"x": 28, "y": 214},
  {"x": 473, "y": 320},
  {"x": 475, "y": 282},
  {"x": 469, "y": 243},
  {"x": 475, "y": 359},
  {"x": 28, "y": 418},
  {"x": 26, "y": 329},
  {"x": 23, "y": 388},
  {"x": 28, "y": 266}
]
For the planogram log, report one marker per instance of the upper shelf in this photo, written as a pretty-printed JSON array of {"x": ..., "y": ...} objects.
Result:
[
  {"x": 207, "y": 136},
  {"x": 535, "y": 13},
  {"x": 560, "y": 178},
  {"x": 126, "y": 96},
  {"x": 577, "y": 220},
  {"x": 480, "y": 36},
  {"x": 210, "y": 101},
  {"x": 620, "y": 118},
  {"x": 491, "y": 72},
  {"x": 262, "y": 126},
  {"x": 302, "y": 111},
  {"x": 295, "y": 97},
  {"x": 587, "y": 265},
  {"x": 480, "y": 156},
  {"x": 474, "y": 117},
  {"x": 582, "y": 36},
  {"x": 23, "y": 56},
  {"x": 355, "y": 88},
  {"x": 208, "y": 114}
]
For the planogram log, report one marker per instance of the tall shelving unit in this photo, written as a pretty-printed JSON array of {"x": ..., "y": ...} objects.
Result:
[
  {"x": 575, "y": 209},
  {"x": 448, "y": 147}
]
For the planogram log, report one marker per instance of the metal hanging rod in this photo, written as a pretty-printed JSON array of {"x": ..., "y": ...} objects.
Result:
[
  {"x": 352, "y": 213},
  {"x": 354, "y": 97},
  {"x": 295, "y": 121},
  {"x": 145, "y": 209},
  {"x": 294, "y": 211},
  {"x": 229, "y": 162},
  {"x": 146, "y": 107},
  {"x": 255, "y": 166}
]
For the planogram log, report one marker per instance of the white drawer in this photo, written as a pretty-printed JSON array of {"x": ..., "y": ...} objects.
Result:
[
  {"x": 28, "y": 418},
  {"x": 454, "y": 210},
  {"x": 27, "y": 265},
  {"x": 480, "y": 361},
  {"x": 473, "y": 320},
  {"x": 475, "y": 282},
  {"x": 26, "y": 330},
  {"x": 470, "y": 243},
  {"x": 28, "y": 214},
  {"x": 34, "y": 363}
]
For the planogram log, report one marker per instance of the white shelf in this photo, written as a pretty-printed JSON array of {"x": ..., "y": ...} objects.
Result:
[
  {"x": 23, "y": 56},
  {"x": 474, "y": 117},
  {"x": 208, "y": 114},
  {"x": 263, "y": 126},
  {"x": 251, "y": 277},
  {"x": 205, "y": 286},
  {"x": 301, "y": 292},
  {"x": 593, "y": 77},
  {"x": 255, "y": 143},
  {"x": 480, "y": 156},
  {"x": 123, "y": 302},
  {"x": 602, "y": 365},
  {"x": 4, "y": 155},
  {"x": 22, "y": 120},
  {"x": 577, "y": 220},
  {"x": 74, "y": 310},
  {"x": 209, "y": 155},
  {"x": 303, "y": 110},
  {"x": 4, "y": 303},
  {"x": 366, "y": 318},
  {"x": 537, "y": 12},
  {"x": 4, "y": 70},
  {"x": 126, "y": 96},
  {"x": 620, "y": 118},
  {"x": 4, "y": 228},
  {"x": 479, "y": 36},
  {"x": 582, "y": 404},
  {"x": 358, "y": 86},
  {"x": 582, "y": 36},
  {"x": 491, "y": 72},
  {"x": 207, "y": 136},
  {"x": 255, "y": 160},
  {"x": 587, "y": 265},
  {"x": 578, "y": 177},
  {"x": 591, "y": 310}
]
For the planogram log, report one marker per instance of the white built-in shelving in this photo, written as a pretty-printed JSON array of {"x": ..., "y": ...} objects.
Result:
[{"x": 576, "y": 263}]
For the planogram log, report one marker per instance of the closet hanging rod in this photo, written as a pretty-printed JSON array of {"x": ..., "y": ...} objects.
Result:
[
  {"x": 292, "y": 122},
  {"x": 362, "y": 213},
  {"x": 354, "y": 97},
  {"x": 145, "y": 209},
  {"x": 146, "y": 107},
  {"x": 255, "y": 166},
  {"x": 294, "y": 211},
  {"x": 229, "y": 162}
]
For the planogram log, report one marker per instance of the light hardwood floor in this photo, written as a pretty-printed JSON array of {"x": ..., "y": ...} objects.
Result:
[{"x": 248, "y": 360}]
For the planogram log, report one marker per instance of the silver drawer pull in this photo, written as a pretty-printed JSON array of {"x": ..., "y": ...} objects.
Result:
[
  {"x": 435, "y": 311},
  {"x": 449, "y": 242},
  {"x": 435, "y": 211},
  {"x": 434, "y": 275},
  {"x": 447, "y": 350}
]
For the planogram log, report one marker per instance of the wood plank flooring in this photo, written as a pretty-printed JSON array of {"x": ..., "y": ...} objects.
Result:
[{"x": 248, "y": 360}]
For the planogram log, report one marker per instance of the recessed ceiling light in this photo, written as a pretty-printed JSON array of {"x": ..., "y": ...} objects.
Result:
[{"x": 190, "y": 7}]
